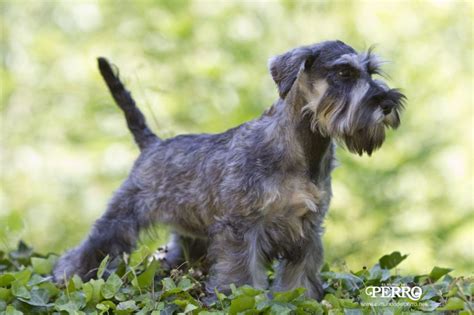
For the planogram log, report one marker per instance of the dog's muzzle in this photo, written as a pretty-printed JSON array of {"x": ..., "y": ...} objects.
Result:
[{"x": 387, "y": 106}]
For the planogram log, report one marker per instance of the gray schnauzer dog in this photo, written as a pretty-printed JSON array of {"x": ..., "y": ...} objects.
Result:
[{"x": 258, "y": 192}]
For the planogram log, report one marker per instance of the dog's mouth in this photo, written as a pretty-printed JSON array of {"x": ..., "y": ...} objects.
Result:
[{"x": 365, "y": 140}]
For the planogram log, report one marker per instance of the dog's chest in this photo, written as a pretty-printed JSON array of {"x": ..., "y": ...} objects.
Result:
[{"x": 294, "y": 198}]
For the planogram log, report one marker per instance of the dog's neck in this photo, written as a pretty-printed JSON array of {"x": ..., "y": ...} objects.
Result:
[
  {"x": 317, "y": 149},
  {"x": 302, "y": 145}
]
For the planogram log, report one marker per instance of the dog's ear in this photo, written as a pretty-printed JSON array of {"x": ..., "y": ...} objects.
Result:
[{"x": 286, "y": 67}]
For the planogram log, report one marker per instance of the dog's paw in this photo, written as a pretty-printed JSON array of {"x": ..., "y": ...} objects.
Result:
[
  {"x": 316, "y": 291},
  {"x": 68, "y": 265}
]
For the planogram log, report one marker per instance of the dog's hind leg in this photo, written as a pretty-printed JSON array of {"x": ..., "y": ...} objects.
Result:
[{"x": 114, "y": 233}]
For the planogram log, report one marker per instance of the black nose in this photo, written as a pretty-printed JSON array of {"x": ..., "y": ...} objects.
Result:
[{"x": 387, "y": 106}]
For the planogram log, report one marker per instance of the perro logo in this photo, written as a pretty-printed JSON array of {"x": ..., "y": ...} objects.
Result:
[{"x": 413, "y": 293}]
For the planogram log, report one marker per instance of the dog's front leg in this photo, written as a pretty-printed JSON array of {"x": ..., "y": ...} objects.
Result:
[
  {"x": 302, "y": 270},
  {"x": 237, "y": 258}
]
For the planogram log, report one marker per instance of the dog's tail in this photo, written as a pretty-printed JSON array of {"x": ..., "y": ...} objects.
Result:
[{"x": 135, "y": 120}]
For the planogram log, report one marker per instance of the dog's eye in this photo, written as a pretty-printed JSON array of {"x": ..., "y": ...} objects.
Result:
[{"x": 345, "y": 73}]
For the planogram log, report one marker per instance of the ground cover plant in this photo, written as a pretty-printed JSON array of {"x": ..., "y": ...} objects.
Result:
[{"x": 137, "y": 285}]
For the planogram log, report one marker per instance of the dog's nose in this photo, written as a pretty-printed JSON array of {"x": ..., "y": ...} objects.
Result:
[{"x": 387, "y": 106}]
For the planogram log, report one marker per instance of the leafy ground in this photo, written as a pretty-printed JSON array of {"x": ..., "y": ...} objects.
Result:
[{"x": 139, "y": 286}]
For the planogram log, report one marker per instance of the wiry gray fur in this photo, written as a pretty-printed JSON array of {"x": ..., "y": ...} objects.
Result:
[{"x": 255, "y": 193}]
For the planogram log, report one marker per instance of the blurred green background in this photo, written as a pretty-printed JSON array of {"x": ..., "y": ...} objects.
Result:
[{"x": 201, "y": 67}]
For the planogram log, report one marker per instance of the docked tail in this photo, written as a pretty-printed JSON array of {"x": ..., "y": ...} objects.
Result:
[{"x": 135, "y": 120}]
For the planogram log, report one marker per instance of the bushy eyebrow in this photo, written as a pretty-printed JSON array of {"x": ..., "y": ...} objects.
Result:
[
  {"x": 351, "y": 60},
  {"x": 366, "y": 61},
  {"x": 372, "y": 62}
]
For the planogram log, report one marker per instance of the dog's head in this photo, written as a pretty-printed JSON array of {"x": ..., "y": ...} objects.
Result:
[{"x": 340, "y": 93}]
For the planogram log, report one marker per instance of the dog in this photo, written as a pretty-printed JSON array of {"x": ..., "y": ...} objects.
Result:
[{"x": 254, "y": 194}]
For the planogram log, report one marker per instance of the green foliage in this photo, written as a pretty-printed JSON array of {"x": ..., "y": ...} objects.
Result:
[{"x": 26, "y": 288}]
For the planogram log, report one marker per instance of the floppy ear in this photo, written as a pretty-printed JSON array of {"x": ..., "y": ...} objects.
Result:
[{"x": 286, "y": 67}]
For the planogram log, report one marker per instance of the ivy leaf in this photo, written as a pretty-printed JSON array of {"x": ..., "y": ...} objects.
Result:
[
  {"x": 126, "y": 307},
  {"x": 248, "y": 290},
  {"x": 111, "y": 286},
  {"x": 6, "y": 279},
  {"x": 23, "y": 253},
  {"x": 378, "y": 274},
  {"x": 145, "y": 279},
  {"x": 289, "y": 296},
  {"x": 105, "y": 306},
  {"x": 438, "y": 272},
  {"x": 4, "y": 294},
  {"x": 392, "y": 260},
  {"x": 92, "y": 290},
  {"x": 22, "y": 277},
  {"x": 138, "y": 256},
  {"x": 102, "y": 267},
  {"x": 453, "y": 304},
  {"x": 38, "y": 297},
  {"x": 185, "y": 284},
  {"x": 43, "y": 266},
  {"x": 12, "y": 311},
  {"x": 309, "y": 307},
  {"x": 189, "y": 308},
  {"x": 20, "y": 291},
  {"x": 281, "y": 309},
  {"x": 168, "y": 284},
  {"x": 72, "y": 303},
  {"x": 241, "y": 304},
  {"x": 428, "y": 306},
  {"x": 37, "y": 279}
]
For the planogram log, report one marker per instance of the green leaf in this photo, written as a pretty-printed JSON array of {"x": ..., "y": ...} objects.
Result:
[
  {"x": 145, "y": 279},
  {"x": 6, "y": 279},
  {"x": 5, "y": 294},
  {"x": 12, "y": 311},
  {"x": 138, "y": 256},
  {"x": 189, "y": 308},
  {"x": 23, "y": 252},
  {"x": 111, "y": 286},
  {"x": 92, "y": 290},
  {"x": 52, "y": 289},
  {"x": 392, "y": 260},
  {"x": 102, "y": 267},
  {"x": 43, "y": 266},
  {"x": 168, "y": 284},
  {"x": 105, "y": 306},
  {"x": 71, "y": 303},
  {"x": 22, "y": 277},
  {"x": 438, "y": 272},
  {"x": 126, "y": 307},
  {"x": 428, "y": 306},
  {"x": 379, "y": 274},
  {"x": 185, "y": 284},
  {"x": 288, "y": 296},
  {"x": 453, "y": 304},
  {"x": 37, "y": 279},
  {"x": 241, "y": 303},
  {"x": 38, "y": 297},
  {"x": 75, "y": 283},
  {"x": 348, "y": 303},
  {"x": 279, "y": 309},
  {"x": 20, "y": 291},
  {"x": 309, "y": 307},
  {"x": 333, "y": 300},
  {"x": 248, "y": 290}
]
